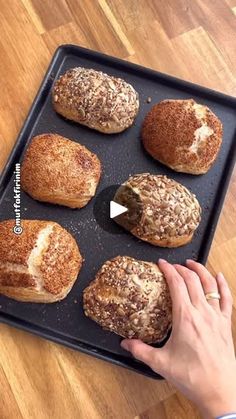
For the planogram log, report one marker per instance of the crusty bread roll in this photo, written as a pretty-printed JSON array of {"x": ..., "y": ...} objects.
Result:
[
  {"x": 131, "y": 298},
  {"x": 95, "y": 99},
  {"x": 183, "y": 135},
  {"x": 60, "y": 171},
  {"x": 170, "y": 213},
  {"x": 41, "y": 264}
]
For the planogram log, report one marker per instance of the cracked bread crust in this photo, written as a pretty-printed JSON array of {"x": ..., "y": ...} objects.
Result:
[
  {"x": 170, "y": 212},
  {"x": 130, "y": 298},
  {"x": 183, "y": 135},
  {"x": 41, "y": 264},
  {"x": 95, "y": 99}
]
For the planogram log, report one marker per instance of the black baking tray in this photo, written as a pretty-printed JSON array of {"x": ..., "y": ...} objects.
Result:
[{"x": 121, "y": 155}]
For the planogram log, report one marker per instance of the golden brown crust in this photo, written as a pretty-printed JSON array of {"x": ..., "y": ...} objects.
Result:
[
  {"x": 131, "y": 298},
  {"x": 61, "y": 261},
  {"x": 183, "y": 135},
  {"x": 96, "y": 100},
  {"x": 10, "y": 243},
  {"x": 60, "y": 171},
  {"x": 10, "y": 279},
  {"x": 170, "y": 213},
  {"x": 41, "y": 268},
  {"x": 31, "y": 295},
  {"x": 167, "y": 242}
]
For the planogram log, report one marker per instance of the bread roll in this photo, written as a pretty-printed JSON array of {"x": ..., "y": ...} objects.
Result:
[
  {"x": 40, "y": 265},
  {"x": 131, "y": 298},
  {"x": 170, "y": 213},
  {"x": 95, "y": 99},
  {"x": 183, "y": 135},
  {"x": 60, "y": 171}
]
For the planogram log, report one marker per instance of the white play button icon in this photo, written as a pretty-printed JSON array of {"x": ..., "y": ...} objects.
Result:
[{"x": 116, "y": 209}]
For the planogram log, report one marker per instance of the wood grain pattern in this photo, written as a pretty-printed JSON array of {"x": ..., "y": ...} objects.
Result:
[
  {"x": 175, "y": 407},
  {"x": 194, "y": 40},
  {"x": 52, "y": 14}
]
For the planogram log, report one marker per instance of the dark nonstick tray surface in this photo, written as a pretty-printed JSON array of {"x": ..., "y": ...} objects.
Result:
[{"x": 121, "y": 155}]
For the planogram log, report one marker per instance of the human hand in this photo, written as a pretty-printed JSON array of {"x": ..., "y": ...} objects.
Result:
[{"x": 199, "y": 357}]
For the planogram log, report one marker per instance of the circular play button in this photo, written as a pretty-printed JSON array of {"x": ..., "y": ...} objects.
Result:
[
  {"x": 116, "y": 209},
  {"x": 115, "y": 206},
  {"x": 128, "y": 198}
]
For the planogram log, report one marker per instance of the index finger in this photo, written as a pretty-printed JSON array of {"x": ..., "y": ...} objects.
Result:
[{"x": 178, "y": 290}]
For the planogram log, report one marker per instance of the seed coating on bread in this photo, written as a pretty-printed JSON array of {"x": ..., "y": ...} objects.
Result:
[
  {"x": 60, "y": 171},
  {"x": 183, "y": 135},
  {"x": 131, "y": 298},
  {"x": 39, "y": 265},
  {"x": 95, "y": 99},
  {"x": 170, "y": 212}
]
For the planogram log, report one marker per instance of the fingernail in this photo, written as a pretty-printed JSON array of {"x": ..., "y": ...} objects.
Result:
[
  {"x": 220, "y": 275},
  {"x": 188, "y": 260},
  {"x": 125, "y": 345},
  {"x": 162, "y": 261}
]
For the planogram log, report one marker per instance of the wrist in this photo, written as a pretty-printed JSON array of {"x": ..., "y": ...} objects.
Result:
[
  {"x": 218, "y": 411},
  {"x": 221, "y": 400},
  {"x": 220, "y": 406}
]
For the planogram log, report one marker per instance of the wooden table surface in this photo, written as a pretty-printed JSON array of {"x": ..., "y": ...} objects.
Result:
[{"x": 194, "y": 40}]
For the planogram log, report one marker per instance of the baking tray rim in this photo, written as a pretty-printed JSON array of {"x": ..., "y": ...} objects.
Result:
[
  {"x": 79, "y": 346},
  {"x": 76, "y": 48},
  {"x": 29, "y": 122}
]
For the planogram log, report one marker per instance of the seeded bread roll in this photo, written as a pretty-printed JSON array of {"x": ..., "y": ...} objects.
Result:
[
  {"x": 170, "y": 213},
  {"x": 183, "y": 135},
  {"x": 131, "y": 298},
  {"x": 60, "y": 171},
  {"x": 95, "y": 99},
  {"x": 41, "y": 264}
]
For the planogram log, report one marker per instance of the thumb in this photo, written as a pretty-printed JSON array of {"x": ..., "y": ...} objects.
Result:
[{"x": 153, "y": 357}]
